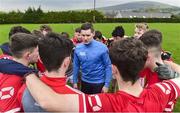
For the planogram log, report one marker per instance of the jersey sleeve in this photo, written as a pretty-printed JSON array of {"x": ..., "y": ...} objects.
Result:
[
  {"x": 98, "y": 103},
  {"x": 9, "y": 86},
  {"x": 166, "y": 93}
]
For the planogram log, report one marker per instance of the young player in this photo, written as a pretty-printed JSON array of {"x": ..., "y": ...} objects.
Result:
[
  {"x": 140, "y": 29},
  {"x": 55, "y": 53},
  {"x": 24, "y": 52}
]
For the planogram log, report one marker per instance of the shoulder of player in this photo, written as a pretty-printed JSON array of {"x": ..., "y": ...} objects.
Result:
[
  {"x": 100, "y": 45},
  {"x": 79, "y": 46}
]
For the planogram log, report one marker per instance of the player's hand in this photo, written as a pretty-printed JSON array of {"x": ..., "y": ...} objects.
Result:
[
  {"x": 104, "y": 89},
  {"x": 75, "y": 86},
  {"x": 165, "y": 72}
]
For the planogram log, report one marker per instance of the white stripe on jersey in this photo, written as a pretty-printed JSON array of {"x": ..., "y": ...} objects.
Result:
[
  {"x": 168, "y": 109},
  {"x": 161, "y": 87},
  {"x": 176, "y": 93},
  {"x": 167, "y": 85},
  {"x": 83, "y": 95},
  {"x": 84, "y": 103},
  {"x": 13, "y": 110}
]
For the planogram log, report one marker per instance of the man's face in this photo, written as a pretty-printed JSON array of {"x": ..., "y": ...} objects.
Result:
[
  {"x": 33, "y": 56},
  {"x": 78, "y": 36},
  {"x": 138, "y": 33},
  {"x": 87, "y": 36}
]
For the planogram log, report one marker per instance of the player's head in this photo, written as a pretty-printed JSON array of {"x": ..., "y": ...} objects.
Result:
[
  {"x": 118, "y": 33},
  {"x": 18, "y": 29},
  {"x": 152, "y": 39},
  {"x": 77, "y": 34},
  {"x": 128, "y": 57},
  {"x": 87, "y": 32},
  {"x": 140, "y": 29},
  {"x": 45, "y": 29},
  {"x": 55, "y": 51},
  {"x": 65, "y": 34},
  {"x": 24, "y": 46},
  {"x": 98, "y": 36}
]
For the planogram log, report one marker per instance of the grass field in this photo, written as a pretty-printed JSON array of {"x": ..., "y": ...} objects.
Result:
[{"x": 171, "y": 35}]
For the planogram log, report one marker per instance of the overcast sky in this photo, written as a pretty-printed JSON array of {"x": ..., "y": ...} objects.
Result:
[{"x": 7, "y": 5}]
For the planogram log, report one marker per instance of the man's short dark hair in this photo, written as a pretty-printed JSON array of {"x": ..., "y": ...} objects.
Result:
[
  {"x": 78, "y": 30},
  {"x": 152, "y": 38},
  {"x": 129, "y": 55},
  {"x": 53, "y": 48},
  {"x": 18, "y": 29},
  {"x": 45, "y": 27},
  {"x": 21, "y": 42},
  {"x": 118, "y": 31},
  {"x": 87, "y": 26},
  {"x": 98, "y": 35}
]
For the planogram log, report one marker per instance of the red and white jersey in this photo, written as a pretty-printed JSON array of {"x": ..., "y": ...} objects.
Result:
[
  {"x": 153, "y": 99},
  {"x": 9, "y": 86},
  {"x": 150, "y": 77},
  {"x": 59, "y": 86}
]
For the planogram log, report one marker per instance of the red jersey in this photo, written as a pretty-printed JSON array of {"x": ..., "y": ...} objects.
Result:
[
  {"x": 40, "y": 66},
  {"x": 59, "y": 86},
  {"x": 150, "y": 77},
  {"x": 9, "y": 86},
  {"x": 153, "y": 99},
  {"x": 76, "y": 41}
]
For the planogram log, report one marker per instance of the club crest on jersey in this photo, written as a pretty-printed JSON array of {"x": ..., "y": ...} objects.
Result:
[{"x": 82, "y": 53}]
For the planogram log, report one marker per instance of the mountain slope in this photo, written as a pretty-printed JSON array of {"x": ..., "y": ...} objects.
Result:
[{"x": 138, "y": 6}]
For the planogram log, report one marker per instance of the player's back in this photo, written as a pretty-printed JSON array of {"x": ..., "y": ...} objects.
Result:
[
  {"x": 123, "y": 102},
  {"x": 153, "y": 99}
]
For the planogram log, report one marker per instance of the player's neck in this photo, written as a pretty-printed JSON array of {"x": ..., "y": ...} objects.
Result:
[
  {"x": 55, "y": 74},
  {"x": 21, "y": 61},
  {"x": 127, "y": 87}
]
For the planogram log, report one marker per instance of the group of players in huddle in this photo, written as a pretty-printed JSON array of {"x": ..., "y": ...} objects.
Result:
[{"x": 118, "y": 74}]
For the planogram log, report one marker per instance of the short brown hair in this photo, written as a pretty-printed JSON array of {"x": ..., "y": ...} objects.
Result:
[
  {"x": 152, "y": 38},
  {"x": 20, "y": 42},
  {"x": 53, "y": 48},
  {"x": 129, "y": 55},
  {"x": 18, "y": 29},
  {"x": 143, "y": 26}
]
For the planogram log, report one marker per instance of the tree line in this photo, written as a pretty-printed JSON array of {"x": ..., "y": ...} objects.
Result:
[{"x": 32, "y": 15}]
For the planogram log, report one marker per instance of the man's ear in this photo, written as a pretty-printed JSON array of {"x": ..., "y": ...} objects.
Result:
[
  {"x": 66, "y": 62},
  {"x": 26, "y": 55},
  {"x": 115, "y": 71}
]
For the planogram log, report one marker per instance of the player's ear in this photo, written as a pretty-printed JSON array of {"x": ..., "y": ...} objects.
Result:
[
  {"x": 26, "y": 55},
  {"x": 115, "y": 71},
  {"x": 66, "y": 62}
]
